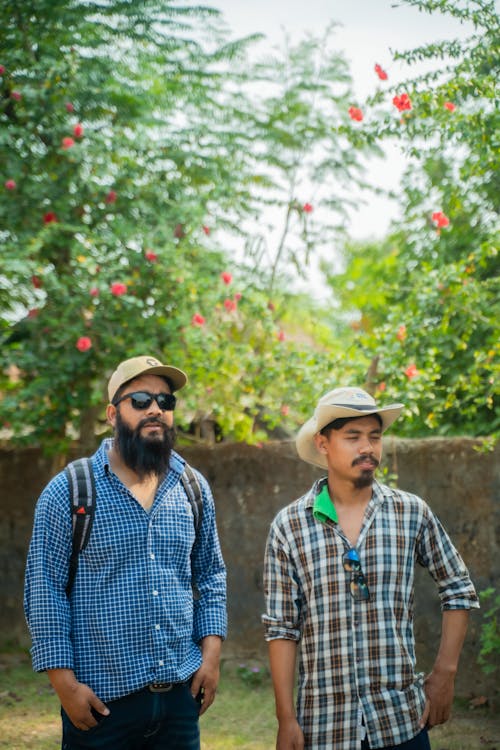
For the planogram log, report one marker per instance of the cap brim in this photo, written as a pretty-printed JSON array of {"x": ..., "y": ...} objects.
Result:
[{"x": 177, "y": 377}]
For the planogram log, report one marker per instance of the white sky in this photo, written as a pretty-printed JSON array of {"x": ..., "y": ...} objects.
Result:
[{"x": 369, "y": 30}]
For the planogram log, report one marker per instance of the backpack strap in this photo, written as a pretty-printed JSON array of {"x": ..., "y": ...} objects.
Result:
[
  {"x": 82, "y": 495},
  {"x": 193, "y": 491}
]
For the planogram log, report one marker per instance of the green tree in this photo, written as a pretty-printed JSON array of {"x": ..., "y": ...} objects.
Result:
[
  {"x": 129, "y": 135},
  {"x": 427, "y": 300}
]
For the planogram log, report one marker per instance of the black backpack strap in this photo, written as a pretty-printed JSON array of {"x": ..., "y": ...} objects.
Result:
[
  {"x": 82, "y": 495},
  {"x": 193, "y": 491}
]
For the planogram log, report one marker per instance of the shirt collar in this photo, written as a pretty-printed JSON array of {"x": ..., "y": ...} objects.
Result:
[{"x": 322, "y": 505}]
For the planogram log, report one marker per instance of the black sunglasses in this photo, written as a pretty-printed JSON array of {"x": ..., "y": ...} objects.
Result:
[
  {"x": 141, "y": 400},
  {"x": 352, "y": 564}
]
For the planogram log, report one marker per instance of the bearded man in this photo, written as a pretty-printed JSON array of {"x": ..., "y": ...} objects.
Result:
[{"x": 131, "y": 652}]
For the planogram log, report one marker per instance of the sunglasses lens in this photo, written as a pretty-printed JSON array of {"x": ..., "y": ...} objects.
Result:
[
  {"x": 166, "y": 401},
  {"x": 140, "y": 400},
  {"x": 359, "y": 589}
]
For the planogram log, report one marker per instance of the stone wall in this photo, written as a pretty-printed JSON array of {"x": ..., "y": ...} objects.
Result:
[{"x": 250, "y": 484}]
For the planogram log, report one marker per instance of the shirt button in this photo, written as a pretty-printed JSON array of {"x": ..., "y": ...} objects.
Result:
[
  {"x": 152, "y": 555},
  {"x": 155, "y": 593},
  {"x": 160, "y": 663},
  {"x": 157, "y": 627}
]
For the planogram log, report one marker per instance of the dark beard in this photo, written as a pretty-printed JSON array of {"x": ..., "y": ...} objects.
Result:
[
  {"x": 364, "y": 480},
  {"x": 367, "y": 475},
  {"x": 145, "y": 456}
]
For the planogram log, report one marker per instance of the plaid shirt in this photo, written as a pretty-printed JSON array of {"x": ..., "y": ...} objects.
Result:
[
  {"x": 131, "y": 619},
  {"x": 357, "y": 658}
]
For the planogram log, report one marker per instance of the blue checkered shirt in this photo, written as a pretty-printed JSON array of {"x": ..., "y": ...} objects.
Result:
[
  {"x": 357, "y": 658},
  {"x": 131, "y": 619}
]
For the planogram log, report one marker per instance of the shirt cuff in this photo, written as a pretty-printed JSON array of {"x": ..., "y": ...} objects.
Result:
[{"x": 51, "y": 654}]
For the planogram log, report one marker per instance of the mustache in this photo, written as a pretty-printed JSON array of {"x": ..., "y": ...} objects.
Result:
[
  {"x": 366, "y": 457},
  {"x": 150, "y": 420}
]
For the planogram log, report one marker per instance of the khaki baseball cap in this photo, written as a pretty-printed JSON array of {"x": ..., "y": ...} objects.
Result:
[{"x": 132, "y": 368}]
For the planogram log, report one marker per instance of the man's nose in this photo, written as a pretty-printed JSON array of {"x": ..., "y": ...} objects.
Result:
[
  {"x": 153, "y": 407},
  {"x": 365, "y": 445}
]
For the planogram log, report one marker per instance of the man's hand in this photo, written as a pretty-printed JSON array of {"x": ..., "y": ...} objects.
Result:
[
  {"x": 440, "y": 684},
  {"x": 206, "y": 679},
  {"x": 290, "y": 735},
  {"x": 439, "y": 690},
  {"x": 77, "y": 699}
]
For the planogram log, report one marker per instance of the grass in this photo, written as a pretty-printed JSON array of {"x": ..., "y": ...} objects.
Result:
[{"x": 241, "y": 717}]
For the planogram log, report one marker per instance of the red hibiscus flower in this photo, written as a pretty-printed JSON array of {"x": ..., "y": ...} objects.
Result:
[
  {"x": 2, "y": 70},
  {"x": 449, "y": 106},
  {"x": 226, "y": 277},
  {"x": 36, "y": 281},
  {"x": 16, "y": 95},
  {"x": 237, "y": 296},
  {"x": 381, "y": 72},
  {"x": 198, "y": 320},
  {"x": 230, "y": 305},
  {"x": 307, "y": 208},
  {"x": 440, "y": 219},
  {"x": 281, "y": 336},
  {"x": 118, "y": 288},
  {"x": 111, "y": 197},
  {"x": 206, "y": 229},
  {"x": 69, "y": 107},
  {"x": 78, "y": 130},
  {"x": 355, "y": 113},
  {"x": 49, "y": 218},
  {"x": 10, "y": 185},
  {"x": 411, "y": 371},
  {"x": 151, "y": 256},
  {"x": 401, "y": 334},
  {"x": 94, "y": 291},
  {"x": 83, "y": 344},
  {"x": 67, "y": 142},
  {"x": 402, "y": 102},
  {"x": 382, "y": 386}
]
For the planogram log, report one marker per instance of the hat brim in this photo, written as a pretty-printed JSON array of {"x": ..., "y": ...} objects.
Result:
[
  {"x": 177, "y": 377},
  {"x": 305, "y": 444}
]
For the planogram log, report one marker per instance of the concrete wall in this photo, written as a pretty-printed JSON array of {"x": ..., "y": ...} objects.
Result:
[{"x": 250, "y": 484}]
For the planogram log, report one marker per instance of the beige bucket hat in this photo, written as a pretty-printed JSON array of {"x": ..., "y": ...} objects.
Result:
[
  {"x": 341, "y": 402},
  {"x": 132, "y": 368}
]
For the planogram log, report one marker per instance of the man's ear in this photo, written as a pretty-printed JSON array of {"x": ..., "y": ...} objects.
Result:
[
  {"x": 111, "y": 414},
  {"x": 321, "y": 442}
]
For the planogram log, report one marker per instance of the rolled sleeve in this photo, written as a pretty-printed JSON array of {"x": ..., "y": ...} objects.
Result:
[
  {"x": 281, "y": 590},
  {"x": 437, "y": 553},
  {"x": 210, "y": 609},
  {"x": 46, "y": 605}
]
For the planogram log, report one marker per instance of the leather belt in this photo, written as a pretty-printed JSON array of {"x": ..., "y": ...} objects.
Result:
[{"x": 164, "y": 687}]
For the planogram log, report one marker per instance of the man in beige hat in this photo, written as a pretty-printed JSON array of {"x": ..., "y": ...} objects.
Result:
[
  {"x": 339, "y": 581},
  {"x": 132, "y": 652}
]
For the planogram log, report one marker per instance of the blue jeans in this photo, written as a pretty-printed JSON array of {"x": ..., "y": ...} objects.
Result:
[
  {"x": 420, "y": 742},
  {"x": 141, "y": 721}
]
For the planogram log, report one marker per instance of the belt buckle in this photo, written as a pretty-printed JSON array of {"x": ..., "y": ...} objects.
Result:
[{"x": 160, "y": 687}]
